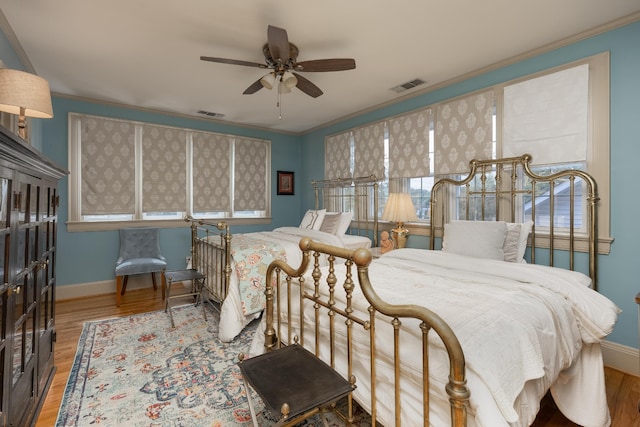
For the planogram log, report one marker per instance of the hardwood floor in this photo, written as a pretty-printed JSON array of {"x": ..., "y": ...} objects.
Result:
[
  {"x": 70, "y": 318},
  {"x": 623, "y": 390}
]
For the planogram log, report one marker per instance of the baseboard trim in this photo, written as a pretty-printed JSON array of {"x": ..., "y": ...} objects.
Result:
[
  {"x": 92, "y": 289},
  {"x": 85, "y": 290},
  {"x": 621, "y": 357}
]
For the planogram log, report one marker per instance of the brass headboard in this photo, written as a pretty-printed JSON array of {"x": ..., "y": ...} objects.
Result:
[
  {"x": 562, "y": 205},
  {"x": 357, "y": 195}
]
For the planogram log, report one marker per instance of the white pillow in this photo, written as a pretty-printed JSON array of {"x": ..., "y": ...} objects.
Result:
[
  {"x": 313, "y": 219},
  {"x": 345, "y": 222},
  {"x": 479, "y": 239},
  {"x": 515, "y": 242},
  {"x": 330, "y": 223}
]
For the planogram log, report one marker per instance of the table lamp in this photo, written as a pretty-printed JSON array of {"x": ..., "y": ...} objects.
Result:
[
  {"x": 26, "y": 95},
  {"x": 399, "y": 209}
]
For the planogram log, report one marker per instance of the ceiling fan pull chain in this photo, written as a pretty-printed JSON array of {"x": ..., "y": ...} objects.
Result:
[{"x": 279, "y": 104}]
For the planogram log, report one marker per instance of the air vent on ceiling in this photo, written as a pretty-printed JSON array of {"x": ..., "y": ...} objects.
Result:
[
  {"x": 408, "y": 85},
  {"x": 210, "y": 114}
]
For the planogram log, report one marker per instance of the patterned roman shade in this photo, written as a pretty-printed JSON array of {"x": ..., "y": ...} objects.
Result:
[
  {"x": 108, "y": 166},
  {"x": 409, "y": 145},
  {"x": 547, "y": 117},
  {"x": 250, "y": 174},
  {"x": 164, "y": 169},
  {"x": 337, "y": 155},
  {"x": 369, "y": 150},
  {"x": 211, "y": 172},
  {"x": 463, "y": 133}
]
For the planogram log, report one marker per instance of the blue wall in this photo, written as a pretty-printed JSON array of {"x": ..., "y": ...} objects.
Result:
[
  {"x": 89, "y": 257},
  {"x": 619, "y": 271},
  {"x": 86, "y": 257}
]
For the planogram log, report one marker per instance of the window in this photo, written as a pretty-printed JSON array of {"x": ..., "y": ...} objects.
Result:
[
  {"x": 420, "y": 187},
  {"x": 571, "y": 130},
  {"x": 573, "y": 126},
  {"x": 131, "y": 171}
]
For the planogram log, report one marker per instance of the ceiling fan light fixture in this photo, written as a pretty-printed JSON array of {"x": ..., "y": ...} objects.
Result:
[
  {"x": 281, "y": 58},
  {"x": 289, "y": 80},
  {"x": 283, "y": 88},
  {"x": 268, "y": 81}
]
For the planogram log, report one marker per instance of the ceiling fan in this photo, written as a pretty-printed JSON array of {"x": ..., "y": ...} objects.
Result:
[{"x": 281, "y": 57}]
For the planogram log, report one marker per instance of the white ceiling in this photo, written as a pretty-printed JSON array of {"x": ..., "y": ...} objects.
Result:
[{"x": 146, "y": 52}]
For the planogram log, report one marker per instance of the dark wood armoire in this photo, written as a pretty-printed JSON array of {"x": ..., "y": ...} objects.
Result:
[{"x": 28, "y": 221}]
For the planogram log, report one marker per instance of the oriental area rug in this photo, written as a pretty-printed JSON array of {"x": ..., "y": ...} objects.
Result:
[{"x": 139, "y": 371}]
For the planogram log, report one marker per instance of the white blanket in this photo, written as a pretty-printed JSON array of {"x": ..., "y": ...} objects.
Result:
[
  {"x": 528, "y": 310},
  {"x": 232, "y": 318},
  {"x": 519, "y": 325}
]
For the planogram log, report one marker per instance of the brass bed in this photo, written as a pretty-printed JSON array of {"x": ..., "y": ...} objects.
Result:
[
  {"x": 356, "y": 316},
  {"x": 216, "y": 252}
]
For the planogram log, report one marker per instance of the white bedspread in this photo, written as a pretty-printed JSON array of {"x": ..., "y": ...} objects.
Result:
[
  {"x": 520, "y": 326},
  {"x": 538, "y": 310},
  {"x": 232, "y": 318}
]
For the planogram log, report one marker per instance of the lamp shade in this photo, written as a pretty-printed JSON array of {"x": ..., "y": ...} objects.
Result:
[
  {"x": 268, "y": 81},
  {"x": 399, "y": 208},
  {"x": 284, "y": 88},
  {"x": 289, "y": 79},
  {"x": 25, "y": 94}
]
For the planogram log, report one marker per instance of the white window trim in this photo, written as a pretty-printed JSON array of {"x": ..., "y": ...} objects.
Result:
[
  {"x": 598, "y": 156},
  {"x": 75, "y": 222}
]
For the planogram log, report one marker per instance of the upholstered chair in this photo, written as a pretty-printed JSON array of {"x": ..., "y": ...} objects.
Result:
[{"x": 139, "y": 254}]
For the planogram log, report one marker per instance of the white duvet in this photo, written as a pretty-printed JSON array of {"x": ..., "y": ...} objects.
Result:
[
  {"x": 232, "y": 318},
  {"x": 523, "y": 328}
]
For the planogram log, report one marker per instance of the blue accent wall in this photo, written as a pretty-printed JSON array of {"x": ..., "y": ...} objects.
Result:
[
  {"x": 89, "y": 257},
  {"x": 85, "y": 257},
  {"x": 619, "y": 272}
]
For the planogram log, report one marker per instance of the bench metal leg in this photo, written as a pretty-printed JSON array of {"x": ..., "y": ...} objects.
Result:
[
  {"x": 197, "y": 287},
  {"x": 254, "y": 418},
  {"x": 166, "y": 302}
]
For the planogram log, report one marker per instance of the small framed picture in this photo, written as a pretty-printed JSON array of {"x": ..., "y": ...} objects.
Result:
[{"x": 285, "y": 183}]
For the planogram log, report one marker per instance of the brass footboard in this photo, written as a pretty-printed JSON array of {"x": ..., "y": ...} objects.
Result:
[
  {"x": 325, "y": 318},
  {"x": 210, "y": 255}
]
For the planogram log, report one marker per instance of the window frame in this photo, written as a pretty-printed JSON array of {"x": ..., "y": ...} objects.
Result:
[
  {"x": 598, "y": 154},
  {"x": 77, "y": 222}
]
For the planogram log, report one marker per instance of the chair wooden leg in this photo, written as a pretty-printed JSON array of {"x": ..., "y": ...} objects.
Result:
[
  {"x": 153, "y": 279},
  {"x": 164, "y": 285},
  {"x": 118, "y": 289},
  {"x": 124, "y": 285}
]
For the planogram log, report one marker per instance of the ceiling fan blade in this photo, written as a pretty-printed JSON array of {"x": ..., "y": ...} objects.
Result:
[
  {"x": 336, "y": 64},
  {"x": 307, "y": 87},
  {"x": 256, "y": 86},
  {"x": 233, "y": 61},
  {"x": 278, "y": 43}
]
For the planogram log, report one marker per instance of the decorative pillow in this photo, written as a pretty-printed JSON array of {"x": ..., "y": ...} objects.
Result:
[
  {"x": 330, "y": 223},
  {"x": 515, "y": 243},
  {"x": 345, "y": 222},
  {"x": 479, "y": 239},
  {"x": 313, "y": 219}
]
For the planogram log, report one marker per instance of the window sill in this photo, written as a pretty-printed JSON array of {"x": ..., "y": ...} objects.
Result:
[
  {"x": 542, "y": 241},
  {"x": 81, "y": 226}
]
